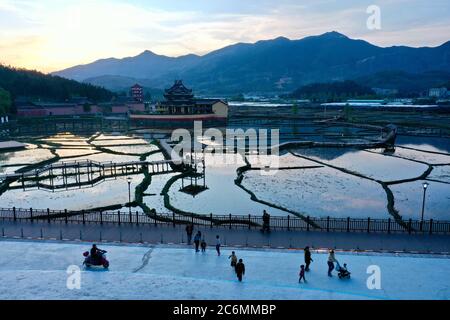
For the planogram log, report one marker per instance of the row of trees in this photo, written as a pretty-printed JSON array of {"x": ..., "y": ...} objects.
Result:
[
  {"x": 36, "y": 85},
  {"x": 332, "y": 91}
]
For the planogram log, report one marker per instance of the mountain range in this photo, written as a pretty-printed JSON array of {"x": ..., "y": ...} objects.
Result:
[{"x": 272, "y": 66}]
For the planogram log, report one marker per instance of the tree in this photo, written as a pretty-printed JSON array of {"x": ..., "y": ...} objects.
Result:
[
  {"x": 348, "y": 110},
  {"x": 87, "y": 108},
  {"x": 5, "y": 101}
]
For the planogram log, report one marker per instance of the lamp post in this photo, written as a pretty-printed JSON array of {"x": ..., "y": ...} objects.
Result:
[
  {"x": 129, "y": 195},
  {"x": 425, "y": 186}
]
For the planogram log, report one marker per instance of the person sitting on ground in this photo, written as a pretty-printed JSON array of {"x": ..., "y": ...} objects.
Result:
[
  {"x": 233, "y": 259},
  {"x": 342, "y": 270},
  {"x": 203, "y": 245}
]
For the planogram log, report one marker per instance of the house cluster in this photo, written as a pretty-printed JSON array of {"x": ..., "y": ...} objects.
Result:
[
  {"x": 439, "y": 93},
  {"x": 83, "y": 106}
]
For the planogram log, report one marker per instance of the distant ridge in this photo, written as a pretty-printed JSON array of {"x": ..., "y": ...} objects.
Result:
[{"x": 277, "y": 65}]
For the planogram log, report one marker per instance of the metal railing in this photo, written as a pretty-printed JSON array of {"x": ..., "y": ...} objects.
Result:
[{"x": 230, "y": 221}]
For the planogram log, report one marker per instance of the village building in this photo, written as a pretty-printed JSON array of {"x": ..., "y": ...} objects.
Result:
[{"x": 438, "y": 92}]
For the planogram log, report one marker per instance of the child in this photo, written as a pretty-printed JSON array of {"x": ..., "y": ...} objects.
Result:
[
  {"x": 233, "y": 259},
  {"x": 240, "y": 269},
  {"x": 302, "y": 274},
  {"x": 203, "y": 245},
  {"x": 218, "y": 245}
]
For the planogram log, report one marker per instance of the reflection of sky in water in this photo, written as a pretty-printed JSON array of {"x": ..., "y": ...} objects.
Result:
[
  {"x": 222, "y": 197},
  {"x": 425, "y": 143},
  {"x": 440, "y": 173},
  {"x": 408, "y": 200},
  {"x": 103, "y": 194},
  {"x": 372, "y": 165},
  {"x": 25, "y": 156},
  {"x": 320, "y": 192}
]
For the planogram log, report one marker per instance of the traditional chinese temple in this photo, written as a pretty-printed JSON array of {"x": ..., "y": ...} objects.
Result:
[{"x": 180, "y": 106}]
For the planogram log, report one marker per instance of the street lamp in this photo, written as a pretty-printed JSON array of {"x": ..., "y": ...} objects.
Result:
[
  {"x": 129, "y": 195},
  {"x": 425, "y": 186}
]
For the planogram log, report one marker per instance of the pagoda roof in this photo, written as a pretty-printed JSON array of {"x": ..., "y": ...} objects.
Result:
[{"x": 178, "y": 88}]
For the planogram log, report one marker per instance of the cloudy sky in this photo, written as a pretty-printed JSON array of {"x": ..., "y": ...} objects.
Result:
[{"x": 49, "y": 35}]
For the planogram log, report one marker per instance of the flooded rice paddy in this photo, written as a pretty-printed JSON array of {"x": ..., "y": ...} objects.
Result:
[{"x": 316, "y": 182}]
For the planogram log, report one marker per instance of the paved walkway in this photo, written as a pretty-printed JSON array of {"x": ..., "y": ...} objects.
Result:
[{"x": 231, "y": 237}]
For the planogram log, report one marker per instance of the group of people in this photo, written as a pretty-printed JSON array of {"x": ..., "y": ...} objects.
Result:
[
  {"x": 199, "y": 242},
  {"x": 342, "y": 270},
  {"x": 239, "y": 266}
]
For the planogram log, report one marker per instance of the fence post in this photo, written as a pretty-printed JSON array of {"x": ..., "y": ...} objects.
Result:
[
  {"x": 348, "y": 224},
  {"x": 84, "y": 221},
  {"x": 249, "y": 221},
  {"x": 65, "y": 216},
  {"x": 307, "y": 223},
  {"x": 230, "y": 220},
  {"x": 101, "y": 217},
  {"x": 48, "y": 215},
  {"x": 137, "y": 218},
  {"x": 131, "y": 218},
  {"x": 409, "y": 226},
  {"x": 288, "y": 220},
  {"x": 173, "y": 219},
  {"x": 431, "y": 226},
  {"x": 389, "y": 225},
  {"x": 31, "y": 214},
  {"x": 368, "y": 225},
  {"x": 210, "y": 220},
  {"x": 118, "y": 216},
  {"x": 14, "y": 213},
  {"x": 192, "y": 218},
  {"x": 328, "y": 224}
]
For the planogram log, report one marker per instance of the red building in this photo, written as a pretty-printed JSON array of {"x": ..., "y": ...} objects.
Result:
[{"x": 137, "y": 93}]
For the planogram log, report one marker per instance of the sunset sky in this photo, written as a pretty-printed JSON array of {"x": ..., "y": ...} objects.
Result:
[{"x": 49, "y": 35}]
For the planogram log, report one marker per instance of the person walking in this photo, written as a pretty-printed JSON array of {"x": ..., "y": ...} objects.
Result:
[
  {"x": 331, "y": 261},
  {"x": 233, "y": 259},
  {"x": 266, "y": 222},
  {"x": 218, "y": 245},
  {"x": 189, "y": 231},
  {"x": 197, "y": 238},
  {"x": 240, "y": 270},
  {"x": 308, "y": 258},
  {"x": 302, "y": 274}
]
